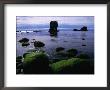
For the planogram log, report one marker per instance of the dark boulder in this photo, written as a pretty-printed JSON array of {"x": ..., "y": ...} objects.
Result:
[
  {"x": 76, "y": 30},
  {"x": 39, "y": 44},
  {"x": 23, "y": 40},
  {"x": 84, "y": 28},
  {"x": 36, "y": 63},
  {"x": 25, "y": 44},
  {"x": 72, "y": 52},
  {"x": 59, "y": 49},
  {"x": 83, "y": 56}
]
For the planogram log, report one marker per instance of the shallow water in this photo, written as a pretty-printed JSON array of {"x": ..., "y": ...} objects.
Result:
[{"x": 66, "y": 38}]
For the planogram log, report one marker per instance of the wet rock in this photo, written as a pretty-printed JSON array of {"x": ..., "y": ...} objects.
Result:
[
  {"x": 25, "y": 44},
  {"x": 59, "y": 49},
  {"x": 76, "y": 30},
  {"x": 83, "y": 38},
  {"x": 72, "y": 52},
  {"x": 39, "y": 44},
  {"x": 83, "y": 56},
  {"x": 23, "y": 40},
  {"x": 83, "y": 45}
]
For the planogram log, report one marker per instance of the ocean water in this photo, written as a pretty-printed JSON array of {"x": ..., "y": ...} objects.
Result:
[{"x": 66, "y": 38}]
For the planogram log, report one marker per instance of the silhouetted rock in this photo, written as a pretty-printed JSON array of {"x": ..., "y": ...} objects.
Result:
[
  {"x": 83, "y": 45},
  {"x": 17, "y": 31},
  {"x": 83, "y": 38},
  {"x": 53, "y": 28},
  {"x": 84, "y": 28},
  {"x": 37, "y": 31},
  {"x": 76, "y": 30}
]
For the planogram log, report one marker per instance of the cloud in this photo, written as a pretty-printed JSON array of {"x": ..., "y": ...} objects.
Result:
[{"x": 73, "y": 20}]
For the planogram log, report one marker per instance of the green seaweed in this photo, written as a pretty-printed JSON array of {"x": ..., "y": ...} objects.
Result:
[
  {"x": 72, "y": 66},
  {"x": 36, "y": 62}
]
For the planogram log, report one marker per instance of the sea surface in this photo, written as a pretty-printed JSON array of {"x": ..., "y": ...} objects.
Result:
[{"x": 66, "y": 38}]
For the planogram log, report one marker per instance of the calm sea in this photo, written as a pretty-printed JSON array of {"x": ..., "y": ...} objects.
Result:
[{"x": 66, "y": 38}]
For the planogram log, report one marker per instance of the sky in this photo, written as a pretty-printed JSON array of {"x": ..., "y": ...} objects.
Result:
[{"x": 71, "y": 20}]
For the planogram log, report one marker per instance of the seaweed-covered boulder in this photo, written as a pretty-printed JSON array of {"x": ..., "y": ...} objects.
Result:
[
  {"x": 83, "y": 56},
  {"x": 39, "y": 44},
  {"x": 36, "y": 63},
  {"x": 25, "y": 54},
  {"x": 72, "y": 66},
  {"x": 72, "y": 52},
  {"x": 23, "y": 40},
  {"x": 58, "y": 49}
]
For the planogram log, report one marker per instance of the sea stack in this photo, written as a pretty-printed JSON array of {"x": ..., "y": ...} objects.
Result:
[{"x": 53, "y": 28}]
